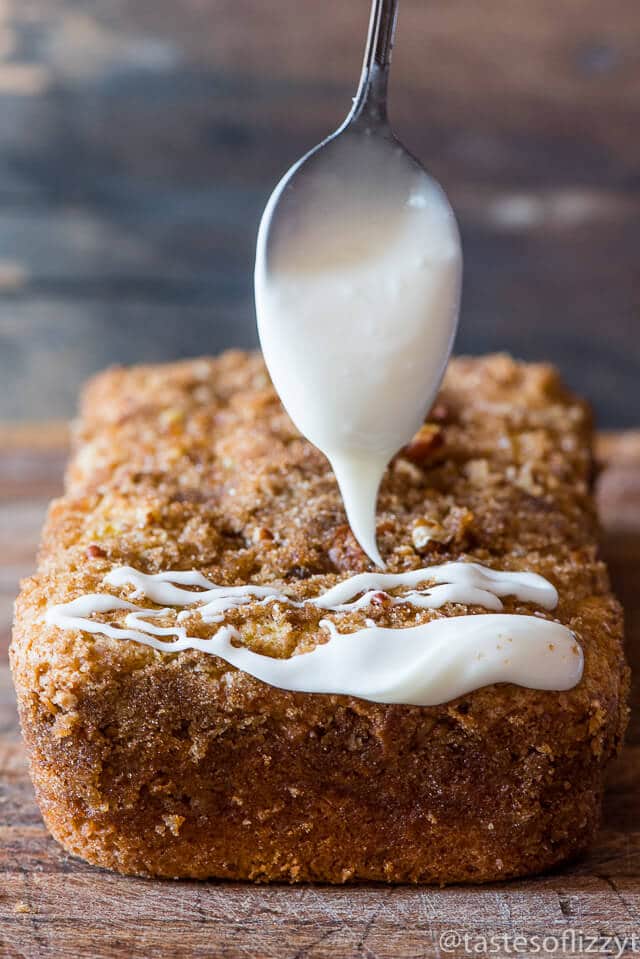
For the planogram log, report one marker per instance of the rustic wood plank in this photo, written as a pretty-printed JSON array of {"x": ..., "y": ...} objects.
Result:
[{"x": 53, "y": 905}]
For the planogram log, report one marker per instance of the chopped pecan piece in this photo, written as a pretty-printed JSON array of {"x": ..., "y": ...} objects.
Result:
[
  {"x": 458, "y": 523},
  {"x": 93, "y": 551},
  {"x": 427, "y": 530},
  {"x": 454, "y": 527},
  {"x": 380, "y": 598},
  {"x": 424, "y": 444},
  {"x": 261, "y": 534}
]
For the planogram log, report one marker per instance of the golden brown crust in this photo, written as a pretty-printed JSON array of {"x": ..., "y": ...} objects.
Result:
[{"x": 180, "y": 765}]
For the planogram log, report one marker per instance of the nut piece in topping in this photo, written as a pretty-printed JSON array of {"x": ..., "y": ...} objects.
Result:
[
  {"x": 426, "y": 530},
  {"x": 454, "y": 527},
  {"x": 380, "y": 598},
  {"x": 424, "y": 444},
  {"x": 93, "y": 551},
  {"x": 261, "y": 534}
]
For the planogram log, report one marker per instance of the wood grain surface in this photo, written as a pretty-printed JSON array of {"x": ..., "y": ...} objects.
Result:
[
  {"x": 140, "y": 140},
  {"x": 52, "y": 905}
]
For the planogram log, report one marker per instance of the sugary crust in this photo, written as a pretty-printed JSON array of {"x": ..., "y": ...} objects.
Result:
[{"x": 179, "y": 765}]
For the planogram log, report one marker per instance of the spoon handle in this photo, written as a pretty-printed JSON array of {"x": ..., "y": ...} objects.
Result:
[{"x": 370, "y": 102}]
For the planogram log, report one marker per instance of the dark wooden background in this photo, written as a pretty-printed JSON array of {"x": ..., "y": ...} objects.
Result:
[{"x": 139, "y": 140}]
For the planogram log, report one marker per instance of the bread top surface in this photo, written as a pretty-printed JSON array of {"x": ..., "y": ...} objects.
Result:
[{"x": 195, "y": 465}]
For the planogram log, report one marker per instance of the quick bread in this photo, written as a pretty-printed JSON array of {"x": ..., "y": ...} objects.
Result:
[{"x": 179, "y": 764}]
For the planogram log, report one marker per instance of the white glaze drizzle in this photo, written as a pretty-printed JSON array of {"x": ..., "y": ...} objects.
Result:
[{"x": 426, "y": 664}]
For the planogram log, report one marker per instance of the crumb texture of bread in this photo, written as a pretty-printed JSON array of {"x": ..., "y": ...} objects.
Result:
[{"x": 180, "y": 765}]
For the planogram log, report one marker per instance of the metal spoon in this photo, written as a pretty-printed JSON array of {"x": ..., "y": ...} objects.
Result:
[{"x": 357, "y": 282}]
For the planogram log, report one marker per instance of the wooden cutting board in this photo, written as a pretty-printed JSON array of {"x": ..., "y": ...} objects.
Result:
[{"x": 52, "y": 905}]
